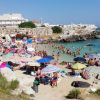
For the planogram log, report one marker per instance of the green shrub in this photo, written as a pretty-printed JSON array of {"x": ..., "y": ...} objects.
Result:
[
  {"x": 74, "y": 94},
  {"x": 14, "y": 84},
  {"x": 98, "y": 92},
  {"x": 28, "y": 24},
  {"x": 57, "y": 29},
  {"x": 3, "y": 82},
  {"x": 6, "y": 86}
]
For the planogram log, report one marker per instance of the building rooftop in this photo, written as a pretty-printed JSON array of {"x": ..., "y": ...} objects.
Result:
[{"x": 13, "y": 16}]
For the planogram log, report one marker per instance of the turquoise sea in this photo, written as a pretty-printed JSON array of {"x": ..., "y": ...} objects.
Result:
[{"x": 91, "y": 46}]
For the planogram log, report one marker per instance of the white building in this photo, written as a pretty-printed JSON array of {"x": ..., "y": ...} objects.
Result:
[
  {"x": 78, "y": 29},
  {"x": 11, "y": 20}
]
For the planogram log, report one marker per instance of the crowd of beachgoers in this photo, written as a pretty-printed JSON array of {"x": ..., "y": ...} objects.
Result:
[{"x": 24, "y": 54}]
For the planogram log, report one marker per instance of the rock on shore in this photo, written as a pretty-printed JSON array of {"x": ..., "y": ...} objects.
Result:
[{"x": 25, "y": 81}]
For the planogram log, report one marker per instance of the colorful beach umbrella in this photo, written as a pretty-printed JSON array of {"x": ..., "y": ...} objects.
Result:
[
  {"x": 44, "y": 60},
  {"x": 3, "y": 65},
  {"x": 50, "y": 69},
  {"x": 78, "y": 66}
]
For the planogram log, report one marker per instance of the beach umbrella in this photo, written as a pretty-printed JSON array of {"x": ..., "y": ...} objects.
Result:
[
  {"x": 44, "y": 60},
  {"x": 92, "y": 56},
  {"x": 93, "y": 70},
  {"x": 3, "y": 65},
  {"x": 50, "y": 69},
  {"x": 30, "y": 49},
  {"x": 79, "y": 59},
  {"x": 12, "y": 35},
  {"x": 36, "y": 57},
  {"x": 7, "y": 56},
  {"x": 49, "y": 57},
  {"x": 78, "y": 66},
  {"x": 29, "y": 41},
  {"x": 33, "y": 64},
  {"x": 97, "y": 56}
]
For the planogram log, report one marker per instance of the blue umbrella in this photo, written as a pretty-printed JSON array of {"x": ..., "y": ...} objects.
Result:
[
  {"x": 44, "y": 60},
  {"x": 29, "y": 41},
  {"x": 80, "y": 59},
  {"x": 49, "y": 57}
]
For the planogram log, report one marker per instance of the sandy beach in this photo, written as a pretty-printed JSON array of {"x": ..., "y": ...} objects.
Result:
[
  {"x": 46, "y": 92},
  {"x": 61, "y": 91}
]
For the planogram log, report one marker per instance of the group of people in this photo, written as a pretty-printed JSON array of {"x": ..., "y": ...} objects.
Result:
[
  {"x": 65, "y": 50},
  {"x": 92, "y": 60},
  {"x": 45, "y": 79}
]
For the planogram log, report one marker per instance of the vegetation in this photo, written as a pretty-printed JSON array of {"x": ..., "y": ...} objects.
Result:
[
  {"x": 57, "y": 29},
  {"x": 74, "y": 94},
  {"x": 14, "y": 84},
  {"x": 6, "y": 88},
  {"x": 29, "y": 24},
  {"x": 97, "y": 92},
  {"x": 4, "y": 96}
]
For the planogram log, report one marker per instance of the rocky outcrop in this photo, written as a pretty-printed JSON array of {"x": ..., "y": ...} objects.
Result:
[
  {"x": 25, "y": 82},
  {"x": 8, "y": 74},
  {"x": 78, "y": 38}
]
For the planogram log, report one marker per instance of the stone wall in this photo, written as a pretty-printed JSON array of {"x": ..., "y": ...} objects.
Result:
[{"x": 35, "y": 31}]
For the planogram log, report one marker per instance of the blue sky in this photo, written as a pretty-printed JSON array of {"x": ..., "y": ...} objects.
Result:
[{"x": 55, "y": 11}]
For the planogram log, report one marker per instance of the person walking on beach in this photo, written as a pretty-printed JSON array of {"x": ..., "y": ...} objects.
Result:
[
  {"x": 54, "y": 79},
  {"x": 36, "y": 84}
]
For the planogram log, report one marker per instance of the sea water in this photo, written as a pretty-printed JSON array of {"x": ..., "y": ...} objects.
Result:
[{"x": 91, "y": 46}]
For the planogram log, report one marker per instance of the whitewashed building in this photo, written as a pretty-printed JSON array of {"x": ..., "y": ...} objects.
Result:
[{"x": 11, "y": 20}]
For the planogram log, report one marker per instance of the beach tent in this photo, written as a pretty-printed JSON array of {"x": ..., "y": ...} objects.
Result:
[
  {"x": 50, "y": 69},
  {"x": 78, "y": 66},
  {"x": 79, "y": 59},
  {"x": 44, "y": 60}
]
